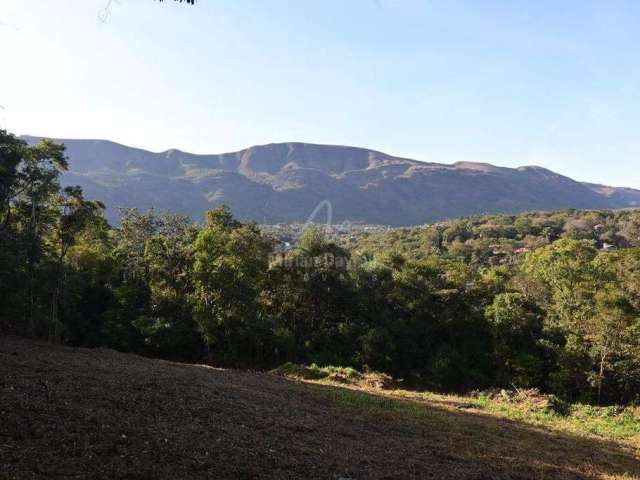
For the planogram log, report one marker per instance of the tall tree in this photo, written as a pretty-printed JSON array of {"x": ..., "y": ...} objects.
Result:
[
  {"x": 12, "y": 152},
  {"x": 39, "y": 173},
  {"x": 168, "y": 324},
  {"x": 308, "y": 298},
  {"x": 75, "y": 214},
  {"x": 231, "y": 261}
]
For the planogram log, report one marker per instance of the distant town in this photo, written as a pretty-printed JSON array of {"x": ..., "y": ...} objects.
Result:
[{"x": 287, "y": 234}]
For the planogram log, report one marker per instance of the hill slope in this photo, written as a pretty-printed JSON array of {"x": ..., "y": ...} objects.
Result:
[
  {"x": 79, "y": 413},
  {"x": 285, "y": 182}
]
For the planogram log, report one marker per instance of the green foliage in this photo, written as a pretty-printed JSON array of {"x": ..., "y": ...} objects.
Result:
[
  {"x": 518, "y": 345},
  {"x": 230, "y": 267},
  {"x": 342, "y": 375},
  {"x": 32, "y": 207},
  {"x": 541, "y": 300},
  {"x": 308, "y": 294},
  {"x": 315, "y": 372},
  {"x": 168, "y": 325},
  {"x": 585, "y": 302},
  {"x": 612, "y": 422}
]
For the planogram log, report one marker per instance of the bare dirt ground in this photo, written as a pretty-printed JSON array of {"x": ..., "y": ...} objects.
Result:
[{"x": 79, "y": 413}]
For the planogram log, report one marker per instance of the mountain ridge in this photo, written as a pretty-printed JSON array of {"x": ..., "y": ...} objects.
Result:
[{"x": 284, "y": 182}]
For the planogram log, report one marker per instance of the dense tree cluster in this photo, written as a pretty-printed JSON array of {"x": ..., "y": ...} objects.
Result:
[
  {"x": 536, "y": 300},
  {"x": 491, "y": 240}
]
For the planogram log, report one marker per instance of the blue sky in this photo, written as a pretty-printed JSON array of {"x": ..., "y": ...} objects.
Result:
[{"x": 512, "y": 83}]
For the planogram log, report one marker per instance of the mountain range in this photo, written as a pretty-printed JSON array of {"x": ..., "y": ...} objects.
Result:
[{"x": 285, "y": 182}]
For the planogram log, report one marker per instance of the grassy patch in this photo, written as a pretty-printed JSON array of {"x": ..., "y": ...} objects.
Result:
[
  {"x": 367, "y": 395},
  {"x": 368, "y": 403},
  {"x": 342, "y": 375},
  {"x": 613, "y": 423}
]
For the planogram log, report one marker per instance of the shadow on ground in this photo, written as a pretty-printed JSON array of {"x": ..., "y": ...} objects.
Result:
[{"x": 79, "y": 413}]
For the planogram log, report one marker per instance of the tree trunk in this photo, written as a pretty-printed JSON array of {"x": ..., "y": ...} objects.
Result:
[
  {"x": 603, "y": 357},
  {"x": 55, "y": 300},
  {"x": 31, "y": 253}
]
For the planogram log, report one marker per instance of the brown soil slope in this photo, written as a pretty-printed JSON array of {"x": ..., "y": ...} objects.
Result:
[{"x": 79, "y": 413}]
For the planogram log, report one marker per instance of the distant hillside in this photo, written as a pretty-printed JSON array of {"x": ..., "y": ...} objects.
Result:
[{"x": 285, "y": 182}]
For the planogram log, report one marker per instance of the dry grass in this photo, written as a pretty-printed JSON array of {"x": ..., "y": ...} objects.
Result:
[{"x": 77, "y": 413}]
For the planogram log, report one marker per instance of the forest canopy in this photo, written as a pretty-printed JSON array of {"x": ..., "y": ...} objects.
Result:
[{"x": 544, "y": 300}]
